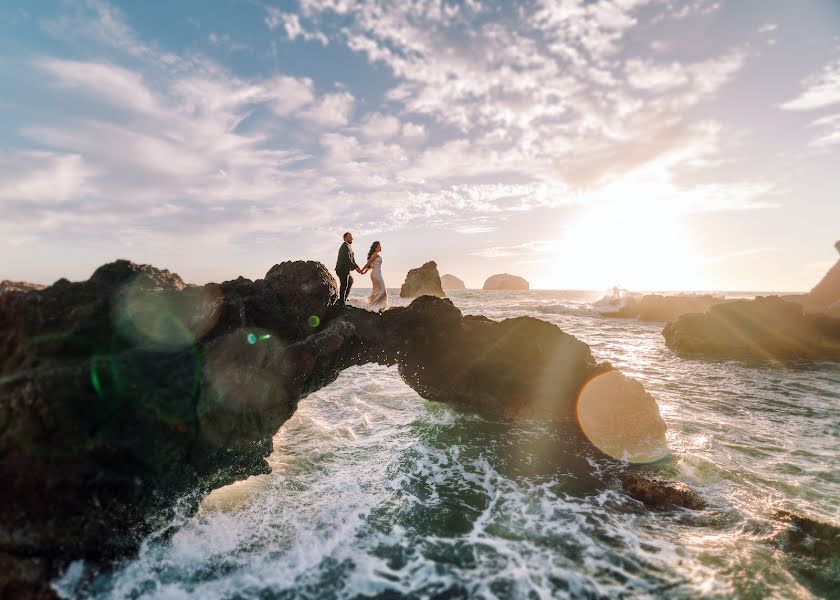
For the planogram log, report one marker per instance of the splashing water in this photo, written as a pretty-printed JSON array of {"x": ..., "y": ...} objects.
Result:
[{"x": 378, "y": 493}]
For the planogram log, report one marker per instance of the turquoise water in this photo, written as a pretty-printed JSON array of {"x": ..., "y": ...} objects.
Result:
[{"x": 376, "y": 492}]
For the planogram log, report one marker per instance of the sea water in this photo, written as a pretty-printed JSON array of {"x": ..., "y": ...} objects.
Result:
[{"x": 377, "y": 493}]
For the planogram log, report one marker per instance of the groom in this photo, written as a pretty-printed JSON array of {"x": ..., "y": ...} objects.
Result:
[{"x": 346, "y": 263}]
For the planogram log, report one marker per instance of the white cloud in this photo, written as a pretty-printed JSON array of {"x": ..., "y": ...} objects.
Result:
[
  {"x": 292, "y": 26},
  {"x": 830, "y": 131},
  {"x": 43, "y": 176},
  {"x": 821, "y": 89},
  {"x": 380, "y": 126},
  {"x": 332, "y": 110}
]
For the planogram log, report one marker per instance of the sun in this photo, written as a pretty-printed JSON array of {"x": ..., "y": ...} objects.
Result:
[{"x": 634, "y": 243}]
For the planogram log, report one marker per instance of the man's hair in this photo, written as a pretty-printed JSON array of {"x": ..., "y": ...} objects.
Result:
[{"x": 346, "y": 233}]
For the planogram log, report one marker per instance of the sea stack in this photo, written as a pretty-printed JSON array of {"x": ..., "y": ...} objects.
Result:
[
  {"x": 422, "y": 281},
  {"x": 450, "y": 282},
  {"x": 827, "y": 291},
  {"x": 504, "y": 281}
]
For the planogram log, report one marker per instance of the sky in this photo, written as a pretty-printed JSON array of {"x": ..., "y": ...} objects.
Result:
[{"x": 652, "y": 144}]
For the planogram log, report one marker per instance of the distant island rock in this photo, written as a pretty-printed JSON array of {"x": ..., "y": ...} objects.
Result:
[
  {"x": 505, "y": 281},
  {"x": 422, "y": 281},
  {"x": 19, "y": 286},
  {"x": 450, "y": 282}
]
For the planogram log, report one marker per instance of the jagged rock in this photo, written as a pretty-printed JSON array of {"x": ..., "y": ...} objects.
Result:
[
  {"x": 809, "y": 536},
  {"x": 450, "y": 282},
  {"x": 660, "y": 493},
  {"x": 504, "y": 281},
  {"x": 107, "y": 422},
  {"x": 19, "y": 286},
  {"x": 655, "y": 307},
  {"x": 827, "y": 291},
  {"x": 764, "y": 328},
  {"x": 422, "y": 281}
]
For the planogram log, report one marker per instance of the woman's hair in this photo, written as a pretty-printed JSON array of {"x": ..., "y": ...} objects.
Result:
[{"x": 372, "y": 249}]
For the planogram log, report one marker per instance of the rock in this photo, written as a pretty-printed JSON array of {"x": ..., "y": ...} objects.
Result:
[
  {"x": 110, "y": 418},
  {"x": 504, "y": 281},
  {"x": 660, "y": 493},
  {"x": 422, "y": 281},
  {"x": 827, "y": 291},
  {"x": 450, "y": 282},
  {"x": 809, "y": 536},
  {"x": 767, "y": 328},
  {"x": 19, "y": 286},
  {"x": 655, "y": 307}
]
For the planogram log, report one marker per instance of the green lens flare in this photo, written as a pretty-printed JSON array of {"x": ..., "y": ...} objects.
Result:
[
  {"x": 252, "y": 339},
  {"x": 264, "y": 337},
  {"x": 314, "y": 321}
]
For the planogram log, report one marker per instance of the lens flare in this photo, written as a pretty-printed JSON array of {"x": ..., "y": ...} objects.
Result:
[
  {"x": 252, "y": 339},
  {"x": 621, "y": 419},
  {"x": 314, "y": 321},
  {"x": 166, "y": 319}
]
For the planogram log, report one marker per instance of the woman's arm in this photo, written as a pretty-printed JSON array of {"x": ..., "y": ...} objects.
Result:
[{"x": 369, "y": 263}]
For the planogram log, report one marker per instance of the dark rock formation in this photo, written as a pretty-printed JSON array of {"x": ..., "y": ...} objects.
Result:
[
  {"x": 450, "y": 282},
  {"x": 422, "y": 281},
  {"x": 809, "y": 536},
  {"x": 764, "y": 328},
  {"x": 655, "y": 307},
  {"x": 126, "y": 395},
  {"x": 660, "y": 493},
  {"x": 827, "y": 291},
  {"x": 19, "y": 286},
  {"x": 503, "y": 281}
]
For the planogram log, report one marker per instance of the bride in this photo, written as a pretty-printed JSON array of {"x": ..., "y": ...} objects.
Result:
[{"x": 378, "y": 300}]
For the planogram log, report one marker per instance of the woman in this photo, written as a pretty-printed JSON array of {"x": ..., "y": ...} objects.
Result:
[{"x": 378, "y": 300}]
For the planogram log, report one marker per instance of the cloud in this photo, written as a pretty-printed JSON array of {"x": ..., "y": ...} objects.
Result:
[
  {"x": 291, "y": 25},
  {"x": 820, "y": 90},
  {"x": 38, "y": 176},
  {"x": 332, "y": 110},
  {"x": 380, "y": 126},
  {"x": 830, "y": 131}
]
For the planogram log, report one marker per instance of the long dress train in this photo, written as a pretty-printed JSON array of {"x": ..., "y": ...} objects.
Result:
[{"x": 378, "y": 300}]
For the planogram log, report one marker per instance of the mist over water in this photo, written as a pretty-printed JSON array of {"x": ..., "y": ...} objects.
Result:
[{"x": 376, "y": 492}]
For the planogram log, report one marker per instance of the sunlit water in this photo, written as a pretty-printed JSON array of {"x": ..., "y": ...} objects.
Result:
[{"x": 376, "y": 492}]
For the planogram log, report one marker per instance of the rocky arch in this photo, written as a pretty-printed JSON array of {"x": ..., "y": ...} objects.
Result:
[{"x": 130, "y": 393}]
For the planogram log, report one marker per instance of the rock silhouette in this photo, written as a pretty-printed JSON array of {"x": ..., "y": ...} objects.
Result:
[
  {"x": 450, "y": 282},
  {"x": 827, "y": 291},
  {"x": 422, "y": 281},
  {"x": 767, "y": 328},
  {"x": 131, "y": 393},
  {"x": 19, "y": 286},
  {"x": 504, "y": 281}
]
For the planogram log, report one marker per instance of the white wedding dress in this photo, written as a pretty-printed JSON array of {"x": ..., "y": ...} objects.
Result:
[{"x": 378, "y": 300}]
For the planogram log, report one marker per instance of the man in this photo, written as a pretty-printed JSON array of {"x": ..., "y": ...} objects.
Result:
[{"x": 346, "y": 263}]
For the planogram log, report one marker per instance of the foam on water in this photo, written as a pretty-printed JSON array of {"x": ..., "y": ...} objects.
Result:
[{"x": 376, "y": 492}]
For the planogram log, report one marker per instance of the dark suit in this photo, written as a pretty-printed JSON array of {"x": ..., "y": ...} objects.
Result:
[{"x": 346, "y": 263}]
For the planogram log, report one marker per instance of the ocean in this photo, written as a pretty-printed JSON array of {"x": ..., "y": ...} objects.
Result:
[{"x": 377, "y": 493}]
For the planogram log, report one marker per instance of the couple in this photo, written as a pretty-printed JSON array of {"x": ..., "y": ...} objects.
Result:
[{"x": 378, "y": 300}]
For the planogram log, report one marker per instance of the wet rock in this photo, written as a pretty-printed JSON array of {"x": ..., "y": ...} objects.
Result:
[
  {"x": 450, "y": 282},
  {"x": 655, "y": 307},
  {"x": 660, "y": 493},
  {"x": 809, "y": 536},
  {"x": 19, "y": 286},
  {"x": 109, "y": 420},
  {"x": 422, "y": 281},
  {"x": 767, "y": 328},
  {"x": 504, "y": 281}
]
